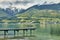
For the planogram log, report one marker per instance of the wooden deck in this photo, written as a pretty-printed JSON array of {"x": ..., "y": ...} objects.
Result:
[
  {"x": 17, "y": 29},
  {"x": 12, "y": 29}
]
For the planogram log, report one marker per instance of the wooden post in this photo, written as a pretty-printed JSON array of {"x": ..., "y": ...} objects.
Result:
[
  {"x": 23, "y": 32},
  {"x": 14, "y": 33},
  {"x": 5, "y": 31},
  {"x": 17, "y": 32},
  {"x": 30, "y": 32},
  {"x": 26, "y": 32}
]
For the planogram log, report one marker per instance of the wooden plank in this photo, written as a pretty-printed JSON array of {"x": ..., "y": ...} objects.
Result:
[{"x": 11, "y": 29}]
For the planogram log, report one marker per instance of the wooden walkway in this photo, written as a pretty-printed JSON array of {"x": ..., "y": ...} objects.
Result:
[{"x": 17, "y": 29}]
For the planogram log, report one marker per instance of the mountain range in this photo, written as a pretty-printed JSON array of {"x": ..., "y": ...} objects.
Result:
[{"x": 11, "y": 12}]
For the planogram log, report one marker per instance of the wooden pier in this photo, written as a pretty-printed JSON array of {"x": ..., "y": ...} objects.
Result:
[{"x": 17, "y": 30}]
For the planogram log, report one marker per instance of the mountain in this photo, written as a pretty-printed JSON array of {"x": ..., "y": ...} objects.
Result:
[
  {"x": 2, "y": 13},
  {"x": 50, "y": 10},
  {"x": 48, "y": 6},
  {"x": 11, "y": 11},
  {"x": 34, "y": 10},
  {"x": 44, "y": 7},
  {"x": 35, "y": 13}
]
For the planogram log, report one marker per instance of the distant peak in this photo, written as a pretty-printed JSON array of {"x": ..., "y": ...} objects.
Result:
[{"x": 47, "y": 3}]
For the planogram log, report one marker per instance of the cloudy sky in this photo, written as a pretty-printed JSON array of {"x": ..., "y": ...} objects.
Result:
[{"x": 24, "y": 3}]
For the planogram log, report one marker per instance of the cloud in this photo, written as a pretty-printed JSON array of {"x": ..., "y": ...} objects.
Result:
[
  {"x": 24, "y": 3},
  {"x": 15, "y": 2}
]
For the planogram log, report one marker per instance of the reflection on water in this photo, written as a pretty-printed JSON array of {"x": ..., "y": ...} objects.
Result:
[
  {"x": 10, "y": 34},
  {"x": 19, "y": 39},
  {"x": 43, "y": 32}
]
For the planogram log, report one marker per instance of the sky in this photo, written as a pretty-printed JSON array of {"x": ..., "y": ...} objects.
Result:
[{"x": 24, "y": 3}]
